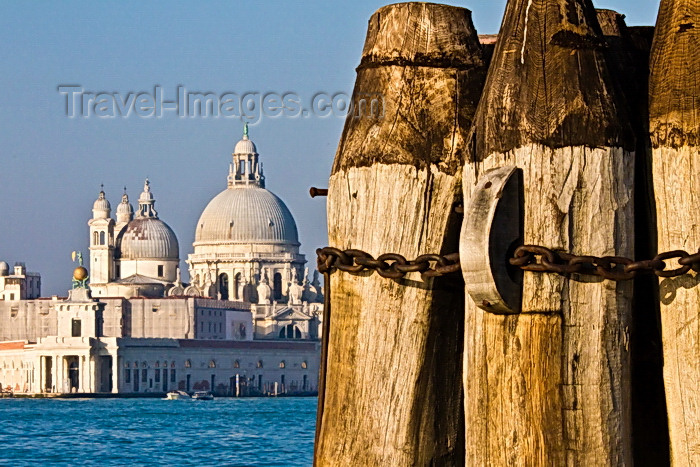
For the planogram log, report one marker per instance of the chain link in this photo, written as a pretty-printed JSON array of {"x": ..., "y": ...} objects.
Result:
[
  {"x": 526, "y": 257},
  {"x": 389, "y": 265},
  {"x": 616, "y": 268}
]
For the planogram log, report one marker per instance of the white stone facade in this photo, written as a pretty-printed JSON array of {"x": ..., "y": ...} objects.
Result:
[{"x": 117, "y": 345}]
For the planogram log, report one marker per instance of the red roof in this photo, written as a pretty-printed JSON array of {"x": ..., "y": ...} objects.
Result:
[{"x": 12, "y": 345}]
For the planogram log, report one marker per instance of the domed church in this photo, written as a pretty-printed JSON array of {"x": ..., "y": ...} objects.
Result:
[
  {"x": 246, "y": 243},
  {"x": 246, "y": 253},
  {"x": 138, "y": 255},
  {"x": 249, "y": 322}
]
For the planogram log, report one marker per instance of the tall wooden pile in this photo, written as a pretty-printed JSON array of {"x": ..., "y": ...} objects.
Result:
[
  {"x": 550, "y": 386},
  {"x": 393, "y": 382},
  {"x": 674, "y": 121},
  {"x": 627, "y": 57}
]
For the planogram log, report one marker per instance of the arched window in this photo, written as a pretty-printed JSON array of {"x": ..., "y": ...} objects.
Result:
[
  {"x": 282, "y": 364},
  {"x": 212, "y": 364},
  {"x": 304, "y": 365},
  {"x": 260, "y": 364},
  {"x": 102, "y": 238},
  {"x": 95, "y": 238},
  {"x": 188, "y": 364},
  {"x": 223, "y": 286},
  {"x": 157, "y": 364},
  {"x": 236, "y": 364},
  {"x": 290, "y": 331},
  {"x": 236, "y": 286},
  {"x": 277, "y": 286}
]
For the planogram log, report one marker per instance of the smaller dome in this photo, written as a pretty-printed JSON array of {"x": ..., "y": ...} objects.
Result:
[
  {"x": 4, "y": 268},
  {"x": 101, "y": 203},
  {"x": 148, "y": 238},
  {"x": 245, "y": 146},
  {"x": 125, "y": 206}
]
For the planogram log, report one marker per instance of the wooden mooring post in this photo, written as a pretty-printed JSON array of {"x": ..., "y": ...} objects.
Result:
[
  {"x": 393, "y": 393},
  {"x": 627, "y": 56},
  {"x": 555, "y": 360},
  {"x": 550, "y": 385},
  {"x": 674, "y": 121}
]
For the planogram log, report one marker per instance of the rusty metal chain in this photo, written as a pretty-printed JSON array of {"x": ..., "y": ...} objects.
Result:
[
  {"x": 389, "y": 265},
  {"x": 526, "y": 257},
  {"x": 616, "y": 268}
]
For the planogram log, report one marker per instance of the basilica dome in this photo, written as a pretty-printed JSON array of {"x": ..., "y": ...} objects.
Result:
[
  {"x": 246, "y": 236},
  {"x": 246, "y": 214},
  {"x": 147, "y": 237}
]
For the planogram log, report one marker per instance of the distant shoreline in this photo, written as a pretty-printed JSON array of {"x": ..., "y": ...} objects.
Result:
[{"x": 146, "y": 395}]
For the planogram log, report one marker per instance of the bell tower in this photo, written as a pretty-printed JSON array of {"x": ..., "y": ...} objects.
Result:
[{"x": 101, "y": 265}]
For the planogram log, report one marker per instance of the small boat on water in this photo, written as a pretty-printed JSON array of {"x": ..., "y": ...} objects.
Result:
[
  {"x": 203, "y": 396},
  {"x": 175, "y": 395}
]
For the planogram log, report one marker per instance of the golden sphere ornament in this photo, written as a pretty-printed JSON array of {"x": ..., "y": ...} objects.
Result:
[{"x": 80, "y": 273}]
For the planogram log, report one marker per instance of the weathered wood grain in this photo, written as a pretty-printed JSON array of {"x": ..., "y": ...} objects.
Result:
[
  {"x": 674, "y": 119},
  {"x": 394, "y": 389},
  {"x": 551, "y": 386},
  {"x": 627, "y": 56}
]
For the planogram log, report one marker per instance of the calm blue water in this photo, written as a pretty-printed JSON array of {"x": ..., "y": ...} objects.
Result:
[{"x": 245, "y": 432}]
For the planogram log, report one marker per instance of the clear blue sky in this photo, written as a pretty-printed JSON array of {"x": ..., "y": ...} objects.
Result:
[{"x": 51, "y": 166}]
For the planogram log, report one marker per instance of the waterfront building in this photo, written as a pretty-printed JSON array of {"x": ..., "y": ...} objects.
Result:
[{"x": 249, "y": 321}]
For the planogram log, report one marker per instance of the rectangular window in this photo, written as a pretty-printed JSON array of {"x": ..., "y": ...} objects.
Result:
[
  {"x": 157, "y": 375},
  {"x": 75, "y": 328},
  {"x": 144, "y": 376},
  {"x": 12, "y": 296},
  {"x": 209, "y": 326},
  {"x": 127, "y": 376},
  {"x": 165, "y": 375},
  {"x": 172, "y": 376},
  {"x": 160, "y": 270}
]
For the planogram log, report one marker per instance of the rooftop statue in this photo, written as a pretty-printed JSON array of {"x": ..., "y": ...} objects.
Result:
[{"x": 80, "y": 274}]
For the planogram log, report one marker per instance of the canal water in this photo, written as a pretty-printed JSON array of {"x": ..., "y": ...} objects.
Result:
[{"x": 235, "y": 432}]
